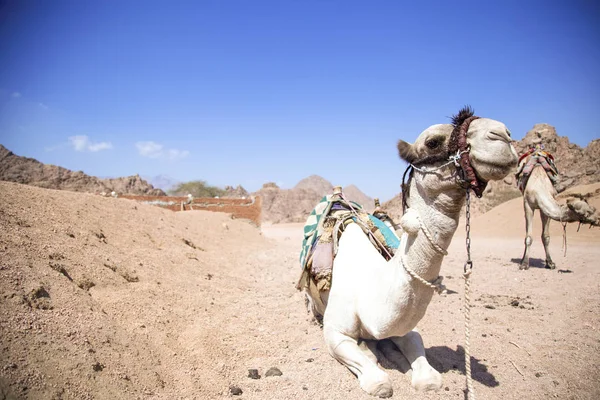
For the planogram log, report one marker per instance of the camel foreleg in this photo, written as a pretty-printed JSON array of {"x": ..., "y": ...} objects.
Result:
[
  {"x": 345, "y": 349},
  {"x": 528, "y": 239},
  {"x": 546, "y": 240},
  {"x": 424, "y": 376}
]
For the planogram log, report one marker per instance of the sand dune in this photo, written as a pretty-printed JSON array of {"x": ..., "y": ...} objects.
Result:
[{"x": 105, "y": 298}]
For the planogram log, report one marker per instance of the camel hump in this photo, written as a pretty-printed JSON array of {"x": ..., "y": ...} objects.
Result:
[{"x": 532, "y": 159}]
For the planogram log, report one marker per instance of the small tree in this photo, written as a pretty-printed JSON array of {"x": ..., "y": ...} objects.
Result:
[{"x": 197, "y": 189}]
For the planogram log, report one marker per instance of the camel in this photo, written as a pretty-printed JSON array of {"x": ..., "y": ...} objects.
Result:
[
  {"x": 374, "y": 305},
  {"x": 539, "y": 193}
]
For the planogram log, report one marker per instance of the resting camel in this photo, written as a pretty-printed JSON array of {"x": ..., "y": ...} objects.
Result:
[
  {"x": 371, "y": 299},
  {"x": 539, "y": 194}
]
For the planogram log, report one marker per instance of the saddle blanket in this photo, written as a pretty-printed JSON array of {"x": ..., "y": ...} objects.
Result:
[
  {"x": 323, "y": 228},
  {"x": 531, "y": 159}
]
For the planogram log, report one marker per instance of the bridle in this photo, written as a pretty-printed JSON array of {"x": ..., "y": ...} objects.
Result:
[{"x": 458, "y": 154}]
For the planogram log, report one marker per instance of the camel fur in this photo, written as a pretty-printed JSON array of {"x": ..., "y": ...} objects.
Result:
[{"x": 374, "y": 305}]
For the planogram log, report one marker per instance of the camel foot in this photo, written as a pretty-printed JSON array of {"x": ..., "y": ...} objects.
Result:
[
  {"x": 524, "y": 263},
  {"x": 427, "y": 379},
  {"x": 377, "y": 383},
  {"x": 550, "y": 265}
]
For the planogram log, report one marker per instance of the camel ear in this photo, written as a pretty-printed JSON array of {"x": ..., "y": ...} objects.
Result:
[{"x": 406, "y": 151}]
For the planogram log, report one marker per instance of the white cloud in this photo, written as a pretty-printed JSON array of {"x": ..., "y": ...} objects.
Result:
[
  {"x": 93, "y": 147},
  {"x": 149, "y": 149},
  {"x": 156, "y": 150},
  {"x": 16, "y": 94},
  {"x": 83, "y": 143},
  {"x": 174, "y": 154}
]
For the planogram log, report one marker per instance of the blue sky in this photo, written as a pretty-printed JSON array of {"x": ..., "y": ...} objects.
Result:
[{"x": 247, "y": 92}]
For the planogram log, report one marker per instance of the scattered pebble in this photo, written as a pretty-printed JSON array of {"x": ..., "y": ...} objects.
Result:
[
  {"x": 10, "y": 366},
  {"x": 234, "y": 390},
  {"x": 97, "y": 367},
  {"x": 253, "y": 374},
  {"x": 273, "y": 371}
]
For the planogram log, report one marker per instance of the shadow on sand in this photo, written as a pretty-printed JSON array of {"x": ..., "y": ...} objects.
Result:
[
  {"x": 443, "y": 359},
  {"x": 533, "y": 262}
]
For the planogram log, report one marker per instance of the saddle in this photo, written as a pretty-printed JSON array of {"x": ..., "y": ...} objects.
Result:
[
  {"x": 531, "y": 159},
  {"x": 323, "y": 229}
]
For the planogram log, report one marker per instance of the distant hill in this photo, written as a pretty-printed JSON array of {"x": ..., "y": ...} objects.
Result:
[
  {"x": 315, "y": 183},
  {"x": 237, "y": 191},
  {"x": 163, "y": 182},
  {"x": 30, "y": 171},
  {"x": 576, "y": 166},
  {"x": 294, "y": 205}
]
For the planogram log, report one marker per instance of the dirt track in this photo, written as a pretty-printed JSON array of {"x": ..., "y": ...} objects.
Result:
[{"x": 104, "y": 298}]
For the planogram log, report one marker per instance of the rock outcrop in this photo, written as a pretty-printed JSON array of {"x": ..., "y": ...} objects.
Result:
[
  {"x": 294, "y": 205},
  {"x": 236, "y": 192},
  {"x": 29, "y": 171}
]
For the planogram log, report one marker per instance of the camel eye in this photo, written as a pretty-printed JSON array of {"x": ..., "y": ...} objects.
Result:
[{"x": 433, "y": 144}]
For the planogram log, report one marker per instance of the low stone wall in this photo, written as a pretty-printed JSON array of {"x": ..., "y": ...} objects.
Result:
[{"x": 249, "y": 208}]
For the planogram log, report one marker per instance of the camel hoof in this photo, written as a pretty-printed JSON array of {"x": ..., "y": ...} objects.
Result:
[
  {"x": 524, "y": 266},
  {"x": 550, "y": 266},
  {"x": 381, "y": 387},
  {"x": 431, "y": 380}
]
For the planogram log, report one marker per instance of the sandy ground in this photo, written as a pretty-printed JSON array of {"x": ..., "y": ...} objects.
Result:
[{"x": 103, "y": 298}]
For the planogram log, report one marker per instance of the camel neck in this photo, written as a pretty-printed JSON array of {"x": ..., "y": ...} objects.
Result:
[{"x": 440, "y": 217}]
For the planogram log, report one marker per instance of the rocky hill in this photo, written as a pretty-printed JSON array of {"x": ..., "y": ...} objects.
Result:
[
  {"x": 294, "y": 205},
  {"x": 237, "y": 191},
  {"x": 163, "y": 182},
  {"x": 29, "y": 171},
  {"x": 316, "y": 183},
  {"x": 576, "y": 166}
]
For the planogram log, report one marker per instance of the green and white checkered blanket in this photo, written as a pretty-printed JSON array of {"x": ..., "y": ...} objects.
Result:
[{"x": 311, "y": 227}]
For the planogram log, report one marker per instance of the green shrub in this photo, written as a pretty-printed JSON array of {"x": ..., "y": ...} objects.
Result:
[{"x": 197, "y": 189}]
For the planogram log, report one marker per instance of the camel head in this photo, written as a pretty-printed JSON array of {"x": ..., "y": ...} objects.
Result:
[{"x": 482, "y": 147}]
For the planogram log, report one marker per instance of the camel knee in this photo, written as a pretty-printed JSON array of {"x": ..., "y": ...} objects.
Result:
[
  {"x": 546, "y": 239},
  {"x": 528, "y": 241},
  {"x": 334, "y": 339}
]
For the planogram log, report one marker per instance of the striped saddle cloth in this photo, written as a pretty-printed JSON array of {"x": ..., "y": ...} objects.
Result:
[
  {"x": 323, "y": 228},
  {"x": 531, "y": 159}
]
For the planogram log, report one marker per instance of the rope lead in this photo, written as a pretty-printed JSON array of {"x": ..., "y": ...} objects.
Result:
[{"x": 467, "y": 275}]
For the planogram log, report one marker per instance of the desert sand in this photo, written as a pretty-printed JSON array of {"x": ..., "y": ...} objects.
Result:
[{"x": 104, "y": 298}]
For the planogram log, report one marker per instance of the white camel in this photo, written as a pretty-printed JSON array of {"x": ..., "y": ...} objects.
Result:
[
  {"x": 373, "y": 299},
  {"x": 539, "y": 194}
]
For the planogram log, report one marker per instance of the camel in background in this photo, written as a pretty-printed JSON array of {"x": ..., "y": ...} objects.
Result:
[{"x": 536, "y": 179}]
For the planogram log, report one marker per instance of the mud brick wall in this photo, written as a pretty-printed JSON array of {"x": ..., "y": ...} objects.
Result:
[{"x": 238, "y": 208}]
